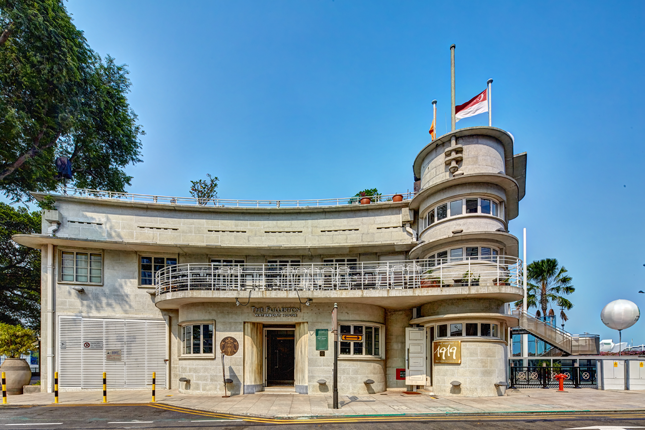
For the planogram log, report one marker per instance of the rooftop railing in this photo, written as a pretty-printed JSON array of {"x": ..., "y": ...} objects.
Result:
[
  {"x": 193, "y": 201},
  {"x": 412, "y": 274}
]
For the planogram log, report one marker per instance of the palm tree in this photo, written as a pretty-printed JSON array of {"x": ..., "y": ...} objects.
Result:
[{"x": 548, "y": 284}]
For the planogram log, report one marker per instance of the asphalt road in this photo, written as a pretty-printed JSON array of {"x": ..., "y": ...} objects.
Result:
[{"x": 159, "y": 416}]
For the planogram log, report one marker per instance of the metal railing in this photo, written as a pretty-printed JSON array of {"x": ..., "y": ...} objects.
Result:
[
  {"x": 193, "y": 201},
  {"x": 571, "y": 344},
  {"x": 544, "y": 377},
  {"x": 410, "y": 274}
]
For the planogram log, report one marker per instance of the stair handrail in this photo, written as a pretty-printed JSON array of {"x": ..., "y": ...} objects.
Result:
[{"x": 519, "y": 312}]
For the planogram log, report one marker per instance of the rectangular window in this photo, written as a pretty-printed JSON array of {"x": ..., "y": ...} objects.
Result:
[
  {"x": 494, "y": 209},
  {"x": 485, "y": 330},
  {"x": 456, "y": 207},
  {"x": 472, "y": 252},
  {"x": 227, "y": 262},
  {"x": 486, "y": 253},
  {"x": 442, "y": 212},
  {"x": 81, "y": 267},
  {"x": 442, "y": 257},
  {"x": 456, "y": 254},
  {"x": 455, "y": 329},
  {"x": 495, "y": 330},
  {"x": 197, "y": 338},
  {"x": 471, "y": 329},
  {"x": 471, "y": 206},
  {"x": 430, "y": 218},
  {"x": 369, "y": 345},
  {"x": 151, "y": 265},
  {"x": 442, "y": 330},
  {"x": 283, "y": 263},
  {"x": 485, "y": 206}
]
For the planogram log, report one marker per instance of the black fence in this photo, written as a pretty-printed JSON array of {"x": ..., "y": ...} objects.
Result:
[{"x": 544, "y": 377}]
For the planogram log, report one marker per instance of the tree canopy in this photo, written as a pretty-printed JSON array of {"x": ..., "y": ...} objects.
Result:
[
  {"x": 19, "y": 268},
  {"x": 60, "y": 98},
  {"x": 548, "y": 285}
]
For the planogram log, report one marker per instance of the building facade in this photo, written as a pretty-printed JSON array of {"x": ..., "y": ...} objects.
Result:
[{"x": 135, "y": 284}]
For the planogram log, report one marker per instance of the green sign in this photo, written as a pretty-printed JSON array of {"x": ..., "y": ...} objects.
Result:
[{"x": 322, "y": 339}]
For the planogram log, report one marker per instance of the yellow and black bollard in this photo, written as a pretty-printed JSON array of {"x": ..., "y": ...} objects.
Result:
[
  {"x": 104, "y": 387},
  {"x": 4, "y": 389},
  {"x": 154, "y": 379},
  {"x": 55, "y": 387}
]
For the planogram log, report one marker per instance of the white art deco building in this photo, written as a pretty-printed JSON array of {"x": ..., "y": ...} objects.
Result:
[{"x": 135, "y": 284}]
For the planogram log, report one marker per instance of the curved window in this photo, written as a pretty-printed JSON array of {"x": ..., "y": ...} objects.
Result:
[
  {"x": 360, "y": 340},
  {"x": 484, "y": 253},
  {"x": 467, "y": 206},
  {"x": 468, "y": 329}
]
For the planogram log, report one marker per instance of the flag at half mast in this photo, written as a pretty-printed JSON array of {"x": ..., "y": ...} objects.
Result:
[{"x": 474, "y": 106}]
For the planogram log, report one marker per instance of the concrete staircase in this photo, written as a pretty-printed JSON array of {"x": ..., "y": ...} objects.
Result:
[{"x": 567, "y": 343}]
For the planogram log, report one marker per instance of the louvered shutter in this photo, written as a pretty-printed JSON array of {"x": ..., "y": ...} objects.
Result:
[
  {"x": 69, "y": 352},
  {"x": 83, "y": 343}
]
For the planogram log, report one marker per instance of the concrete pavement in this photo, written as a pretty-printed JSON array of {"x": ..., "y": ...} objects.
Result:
[{"x": 393, "y": 402}]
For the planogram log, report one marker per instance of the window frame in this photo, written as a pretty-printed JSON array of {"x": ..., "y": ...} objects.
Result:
[
  {"x": 89, "y": 253},
  {"x": 464, "y": 323},
  {"x": 141, "y": 255},
  {"x": 448, "y": 258},
  {"x": 364, "y": 356},
  {"x": 431, "y": 216},
  {"x": 182, "y": 340}
]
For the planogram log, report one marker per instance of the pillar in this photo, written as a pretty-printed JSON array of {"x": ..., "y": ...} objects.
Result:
[
  {"x": 302, "y": 359},
  {"x": 253, "y": 341}
]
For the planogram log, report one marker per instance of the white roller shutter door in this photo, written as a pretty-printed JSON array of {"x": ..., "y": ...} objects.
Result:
[{"x": 84, "y": 342}]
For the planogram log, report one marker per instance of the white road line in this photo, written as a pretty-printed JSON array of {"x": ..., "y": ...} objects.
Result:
[
  {"x": 131, "y": 422},
  {"x": 35, "y": 424}
]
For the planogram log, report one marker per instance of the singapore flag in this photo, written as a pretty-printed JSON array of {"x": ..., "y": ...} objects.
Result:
[{"x": 474, "y": 106}]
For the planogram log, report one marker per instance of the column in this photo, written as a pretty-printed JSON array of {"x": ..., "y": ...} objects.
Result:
[
  {"x": 253, "y": 342},
  {"x": 302, "y": 359}
]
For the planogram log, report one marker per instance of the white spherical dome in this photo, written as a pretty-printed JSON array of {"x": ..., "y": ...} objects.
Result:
[{"x": 620, "y": 314}]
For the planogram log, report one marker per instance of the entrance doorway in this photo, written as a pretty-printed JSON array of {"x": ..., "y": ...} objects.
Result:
[{"x": 280, "y": 357}]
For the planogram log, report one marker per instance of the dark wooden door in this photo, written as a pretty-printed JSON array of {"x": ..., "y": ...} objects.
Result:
[{"x": 281, "y": 357}]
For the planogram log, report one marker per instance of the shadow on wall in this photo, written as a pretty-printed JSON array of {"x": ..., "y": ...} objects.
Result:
[{"x": 236, "y": 385}]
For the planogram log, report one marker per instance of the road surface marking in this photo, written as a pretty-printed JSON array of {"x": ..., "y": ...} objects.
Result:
[
  {"x": 35, "y": 424},
  {"x": 131, "y": 422},
  {"x": 207, "y": 421}
]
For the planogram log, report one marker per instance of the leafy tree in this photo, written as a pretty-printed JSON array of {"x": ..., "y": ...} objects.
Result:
[
  {"x": 373, "y": 193},
  {"x": 204, "y": 190},
  {"x": 16, "y": 340},
  {"x": 59, "y": 98},
  {"x": 19, "y": 268},
  {"x": 548, "y": 284}
]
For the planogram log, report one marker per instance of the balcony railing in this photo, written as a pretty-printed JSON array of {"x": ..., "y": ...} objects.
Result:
[
  {"x": 192, "y": 201},
  {"x": 412, "y": 274}
]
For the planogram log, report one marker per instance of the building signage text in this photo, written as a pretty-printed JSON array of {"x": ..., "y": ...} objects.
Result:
[
  {"x": 275, "y": 311},
  {"x": 447, "y": 351}
]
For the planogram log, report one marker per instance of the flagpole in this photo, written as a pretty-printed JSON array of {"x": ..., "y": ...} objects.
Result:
[
  {"x": 490, "y": 102},
  {"x": 434, "y": 115},
  {"x": 452, "y": 86}
]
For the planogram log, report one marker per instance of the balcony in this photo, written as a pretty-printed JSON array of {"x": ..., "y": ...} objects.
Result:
[{"x": 377, "y": 279}]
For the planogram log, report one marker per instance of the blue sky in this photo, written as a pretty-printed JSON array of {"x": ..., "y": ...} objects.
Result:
[{"x": 317, "y": 99}]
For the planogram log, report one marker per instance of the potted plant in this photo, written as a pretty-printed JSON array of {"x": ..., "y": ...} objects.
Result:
[
  {"x": 366, "y": 196},
  {"x": 15, "y": 341},
  {"x": 501, "y": 281},
  {"x": 397, "y": 197},
  {"x": 429, "y": 281}
]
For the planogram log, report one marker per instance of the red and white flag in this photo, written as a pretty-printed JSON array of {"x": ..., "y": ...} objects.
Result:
[{"x": 474, "y": 106}]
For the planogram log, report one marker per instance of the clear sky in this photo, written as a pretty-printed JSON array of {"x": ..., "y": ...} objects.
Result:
[{"x": 316, "y": 99}]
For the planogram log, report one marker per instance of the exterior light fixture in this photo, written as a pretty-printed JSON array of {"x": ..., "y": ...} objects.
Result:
[
  {"x": 309, "y": 301},
  {"x": 237, "y": 302},
  {"x": 79, "y": 289}
]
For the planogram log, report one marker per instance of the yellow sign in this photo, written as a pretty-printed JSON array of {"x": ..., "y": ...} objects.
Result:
[
  {"x": 351, "y": 337},
  {"x": 641, "y": 364},
  {"x": 615, "y": 364},
  {"x": 446, "y": 351}
]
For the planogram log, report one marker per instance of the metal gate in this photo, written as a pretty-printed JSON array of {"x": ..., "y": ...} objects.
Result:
[
  {"x": 544, "y": 377},
  {"x": 127, "y": 350}
]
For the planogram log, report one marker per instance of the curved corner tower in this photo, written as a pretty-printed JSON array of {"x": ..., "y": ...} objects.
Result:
[{"x": 470, "y": 187}]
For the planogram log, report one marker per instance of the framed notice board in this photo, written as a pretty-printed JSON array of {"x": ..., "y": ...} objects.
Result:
[{"x": 322, "y": 339}]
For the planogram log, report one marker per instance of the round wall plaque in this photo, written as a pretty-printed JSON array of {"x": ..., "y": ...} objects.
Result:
[{"x": 229, "y": 346}]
